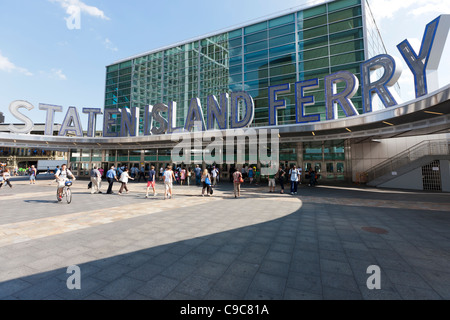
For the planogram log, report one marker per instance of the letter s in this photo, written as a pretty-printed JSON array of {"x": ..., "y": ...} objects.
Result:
[{"x": 14, "y": 109}]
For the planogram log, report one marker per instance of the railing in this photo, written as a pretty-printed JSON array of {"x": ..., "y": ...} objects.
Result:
[{"x": 425, "y": 148}]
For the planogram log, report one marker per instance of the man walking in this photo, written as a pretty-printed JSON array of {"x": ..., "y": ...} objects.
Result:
[
  {"x": 198, "y": 175},
  {"x": 96, "y": 178},
  {"x": 111, "y": 176}
]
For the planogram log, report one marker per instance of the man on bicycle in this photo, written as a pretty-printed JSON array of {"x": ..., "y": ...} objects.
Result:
[{"x": 62, "y": 176}]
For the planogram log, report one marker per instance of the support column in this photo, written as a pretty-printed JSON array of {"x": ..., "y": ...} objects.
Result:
[{"x": 348, "y": 170}]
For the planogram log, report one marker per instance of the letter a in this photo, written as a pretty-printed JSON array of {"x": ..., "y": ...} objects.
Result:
[
  {"x": 74, "y": 281},
  {"x": 374, "y": 281}
]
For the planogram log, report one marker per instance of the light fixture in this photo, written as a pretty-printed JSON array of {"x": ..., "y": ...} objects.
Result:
[
  {"x": 313, "y": 133},
  {"x": 388, "y": 123},
  {"x": 348, "y": 129},
  {"x": 437, "y": 113}
]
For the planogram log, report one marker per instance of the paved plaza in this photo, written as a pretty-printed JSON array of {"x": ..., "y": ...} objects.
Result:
[{"x": 263, "y": 246}]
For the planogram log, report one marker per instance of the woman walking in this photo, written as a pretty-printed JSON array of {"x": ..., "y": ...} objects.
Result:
[
  {"x": 33, "y": 174},
  {"x": 237, "y": 180},
  {"x": 182, "y": 175},
  {"x": 206, "y": 181},
  {"x": 124, "y": 179},
  {"x": 6, "y": 177}
]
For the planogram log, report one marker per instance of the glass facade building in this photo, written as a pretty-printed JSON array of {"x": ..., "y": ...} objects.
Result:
[{"x": 299, "y": 45}]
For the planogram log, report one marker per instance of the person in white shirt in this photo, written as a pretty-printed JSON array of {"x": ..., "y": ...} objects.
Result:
[
  {"x": 124, "y": 179},
  {"x": 61, "y": 176},
  {"x": 294, "y": 174},
  {"x": 215, "y": 176},
  {"x": 169, "y": 177}
]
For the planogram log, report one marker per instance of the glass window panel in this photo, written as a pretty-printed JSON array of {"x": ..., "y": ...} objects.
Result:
[
  {"x": 352, "y": 34},
  {"x": 313, "y": 43},
  {"x": 236, "y": 69},
  {"x": 313, "y": 12},
  {"x": 281, "y": 20},
  {"x": 235, "y": 60},
  {"x": 347, "y": 47},
  {"x": 257, "y": 46},
  {"x": 287, "y": 78},
  {"x": 259, "y": 84},
  {"x": 311, "y": 23},
  {"x": 283, "y": 50},
  {"x": 348, "y": 67},
  {"x": 316, "y": 64},
  {"x": 282, "y": 60},
  {"x": 274, "y": 42},
  {"x": 259, "y": 55},
  {"x": 347, "y": 58},
  {"x": 256, "y": 27},
  {"x": 235, "y": 33},
  {"x": 290, "y": 28},
  {"x": 235, "y": 42},
  {"x": 256, "y": 37},
  {"x": 235, "y": 78},
  {"x": 344, "y": 14},
  {"x": 235, "y": 51},
  {"x": 312, "y": 74},
  {"x": 315, "y": 53},
  {"x": 337, "y": 5},
  {"x": 345, "y": 25},
  {"x": 313, "y": 33},
  {"x": 255, "y": 66},
  {"x": 113, "y": 68},
  {"x": 286, "y": 69}
]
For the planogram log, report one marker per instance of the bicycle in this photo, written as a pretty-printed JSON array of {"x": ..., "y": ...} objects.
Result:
[{"x": 66, "y": 192}]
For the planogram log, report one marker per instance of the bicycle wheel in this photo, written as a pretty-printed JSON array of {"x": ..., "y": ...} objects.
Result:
[{"x": 68, "y": 195}]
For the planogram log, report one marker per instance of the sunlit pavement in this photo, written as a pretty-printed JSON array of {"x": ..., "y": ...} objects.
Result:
[{"x": 314, "y": 245}]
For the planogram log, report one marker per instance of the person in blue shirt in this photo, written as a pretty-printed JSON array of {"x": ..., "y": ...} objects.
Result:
[
  {"x": 198, "y": 175},
  {"x": 111, "y": 176}
]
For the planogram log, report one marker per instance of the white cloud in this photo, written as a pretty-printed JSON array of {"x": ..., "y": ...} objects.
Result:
[
  {"x": 387, "y": 9},
  {"x": 58, "y": 74},
  {"x": 55, "y": 74},
  {"x": 8, "y": 66},
  {"x": 90, "y": 10},
  {"x": 109, "y": 45}
]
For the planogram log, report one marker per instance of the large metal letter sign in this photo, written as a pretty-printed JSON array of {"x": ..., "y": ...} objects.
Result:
[
  {"x": 275, "y": 104},
  {"x": 156, "y": 114},
  {"x": 50, "y": 116},
  {"x": 249, "y": 109},
  {"x": 333, "y": 98},
  {"x": 129, "y": 124},
  {"x": 424, "y": 66},
  {"x": 195, "y": 114},
  {"x": 217, "y": 112},
  {"x": 14, "y": 109},
  {"x": 71, "y": 123},
  {"x": 302, "y": 101},
  {"x": 392, "y": 72},
  {"x": 92, "y": 120}
]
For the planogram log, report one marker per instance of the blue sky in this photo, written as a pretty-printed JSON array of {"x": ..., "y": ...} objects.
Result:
[{"x": 43, "y": 61}]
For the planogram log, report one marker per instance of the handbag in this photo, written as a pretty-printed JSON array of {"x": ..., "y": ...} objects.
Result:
[
  {"x": 207, "y": 181},
  {"x": 241, "y": 180}
]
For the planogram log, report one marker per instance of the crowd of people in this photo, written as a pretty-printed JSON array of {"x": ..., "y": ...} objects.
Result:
[{"x": 207, "y": 178}]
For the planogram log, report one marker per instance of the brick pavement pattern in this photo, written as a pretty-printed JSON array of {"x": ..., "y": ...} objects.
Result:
[{"x": 317, "y": 245}]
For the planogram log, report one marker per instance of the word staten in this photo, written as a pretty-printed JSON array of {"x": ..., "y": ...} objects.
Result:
[{"x": 236, "y": 110}]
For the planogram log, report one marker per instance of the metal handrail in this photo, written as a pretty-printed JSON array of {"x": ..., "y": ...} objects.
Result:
[{"x": 422, "y": 149}]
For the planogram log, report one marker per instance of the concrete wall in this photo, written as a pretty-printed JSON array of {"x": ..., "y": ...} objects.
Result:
[
  {"x": 445, "y": 175},
  {"x": 411, "y": 180},
  {"x": 367, "y": 155}
]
